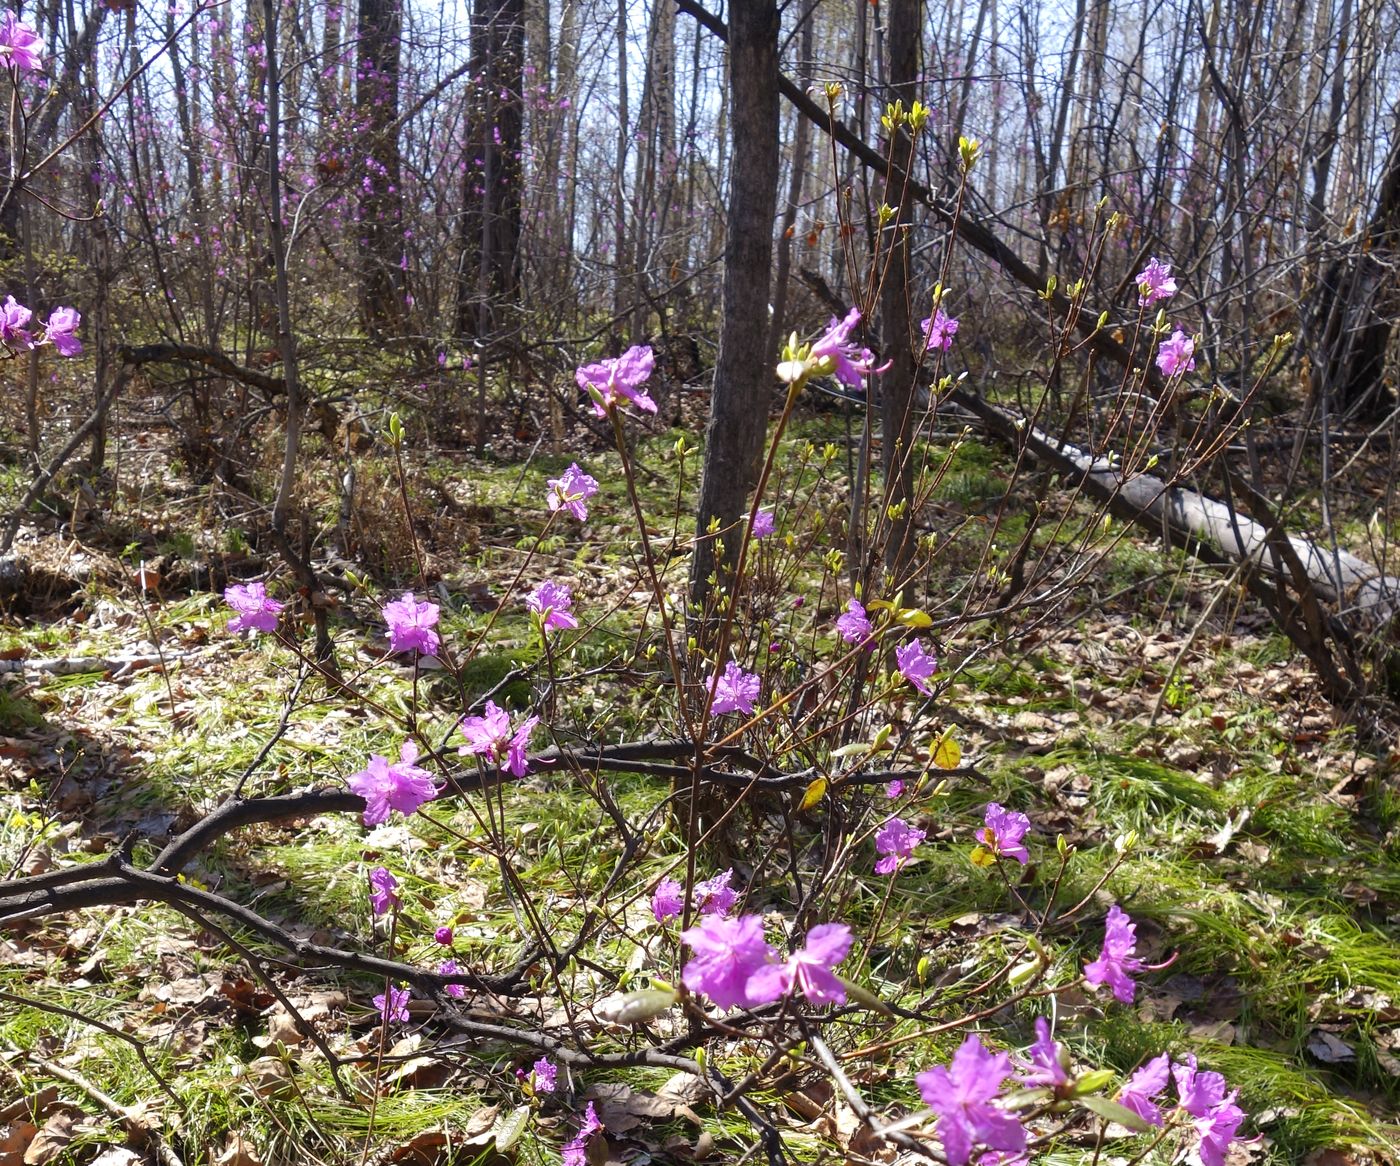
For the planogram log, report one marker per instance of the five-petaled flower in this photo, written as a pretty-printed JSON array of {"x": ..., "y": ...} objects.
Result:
[
  {"x": 401, "y": 786},
  {"x": 668, "y": 900},
  {"x": 727, "y": 952},
  {"x": 257, "y": 611},
  {"x": 411, "y": 625},
  {"x": 1176, "y": 354},
  {"x": 961, "y": 1095},
  {"x": 619, "y": 379},
  {"x": 1155, "y": 282},
  {"x": 62, "y": 323},
  {"x": 382, "y": 886},
  {"x": 1116, "y": 961},
  {"x": 1003, "y": 833},
  {"x": 939, "y": 330},
  {"x": 834, "y": 355},
  {"x": 491, "y": 737},
  {"x": 855, "y": 626},
  {"x": 715, "y": 896},
  {"x": 19, "y": 45},
  {"x": 733, "y": 690},
  {"x": 571, "y": 491},
  {"x": 393, "y": 1005},
  {"x": 545, "y": 1074},
  {"x": 808, "y": 970},
  {"x": 916, "y": 665},
  {"x": 553, "y": 604},
  {"x": 896, "y": 840}
]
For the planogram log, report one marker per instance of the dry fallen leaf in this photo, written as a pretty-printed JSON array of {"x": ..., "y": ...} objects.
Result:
[
  {"x": 238, "y": 1151},
  {"x": 51, "y": 1140}
]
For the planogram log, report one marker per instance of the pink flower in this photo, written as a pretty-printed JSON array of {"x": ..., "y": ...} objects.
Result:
[
  {"x": 855, "y": 626},
  {"x": 620, "y": 379},
  {"x": 916, "y": 665},
  {"x": 763, "y": 524},
  {"x": 491, "y": 737},
  {"x": 1216, "y": 1117},
  {"x": 59, "y": 331},
  {"x": 14, "y": 317},
  {"x": 553, "y": 602},
  {"x": 894, "y": 789},
  {"x": 715, "y": 896},
  {"x": 1049, "y": 1063},
  {"x": 1155, "y": 283},
  {"x": 807, "y": 970},
  {"x": 403, "y": 786},
  {"x": 1116, "y": 960},
  {"x": 896, "y": 840},
  {"x": 393, "y": 1005},
  {"x": 546, "y": 1074},
  {"x": 450, "y": 968},
  {"x": 727, "y": 953},
  {"x": 849, "y": 363},
  {"x": 939, "y": 330},
  {"x": 961, "y": 1095},
  {"x": 1176, "y": 355},
  {"x": 668, "y": 900},
  {"x": 411, "y": 625},
  {"x": 1145, "y": 1084},
  {"x": 733, "y": 690},
  {"x": 381, "y": 890},
  {"x": 19, "y": 45},
  {"x": 1003, "y": 832},
  {"x": 575, "y": 1153},
  {"x": 256, "y": 610},
  {"x": 571, "y": 491},
  {"x": 443, "y": 935}
]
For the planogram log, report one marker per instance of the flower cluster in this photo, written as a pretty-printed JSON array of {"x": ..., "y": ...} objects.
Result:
[
  {"x": 493, "y": 738},
  {"x": 896, "y": 840},
  {"x": 1177, "y": 354},
  {"x": 855, "y": 626},
  {"x": 962, "y": 1095},
  {"x": 733, "y": 690},
  {"x": 411, "y": 625},
  {"x": 1202, "y": 1101},
  {"x": 15, "y": 319},
  {"x": 736, "y": 967},
  {"x": 576, "y": 1151},
  {"x": 255, "y": 610},
  {"x": 714, "y": 896}
]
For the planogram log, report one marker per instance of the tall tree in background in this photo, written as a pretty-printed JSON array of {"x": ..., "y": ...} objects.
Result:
[
  {"x": 744, "y": 376},
  {"x": 381, "y": 203}
]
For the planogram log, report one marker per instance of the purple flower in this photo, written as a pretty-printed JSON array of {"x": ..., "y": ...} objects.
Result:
[
  {"x": 1155, "y": 282},
  {"x": 727, "y": 953},
  {"x": 896, "y": 840},
  {"x": 13, "y": 318},
  {"x": 403, "y": 787},
  {"x": 256, "y": 611},
  {"x": 763, "y": 524},
  {"x": 576, "y": 1152},
  {"x": 1176, "y": 355},
  {"x": 393, "y": 1005},
  {"x": 1116, "y": 960},
  {"x": 1049, "y": 1063},
  {"x": 854, "y": 626},
  {"x": 381, "y": 890},
  {"x": 1217, "y": 1128},
  {"x": 443, "y": 935},
  {"x": 19, "y": 45},
  {"x": 1145, "y": 1084},
  {"x": 848, "y": 363},
  {"x": 59, "y": 331},
  {"x": 894, "y": 789},
  {"x": 961, "y": 1095},
  {"x": 1003, "y": 833},
  {"x": 733, "y": 690},
  {"x": 491, "y": 737},
  {"x": 553, "y": 603},
  {"x": 939, "y": 330},
  {"x": 715, "y": 896},
  {"x": 1197, "y": 1092},
  {"x": 916, "y": 665},
  {"x": 668, "y": 900},
  {"x": 546, "y": 1074},
  {"x": 619, "y": 379},
  {"x": 411, "y": 625},
  {"x": 450, "y": 968},
  {"x": 807, "y": 970},
  {"x": 571, "y": 491}
]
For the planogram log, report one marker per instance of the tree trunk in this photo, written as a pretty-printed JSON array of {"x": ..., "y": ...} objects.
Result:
[
  {"x": 380, "y": 202},
  {"x": 744, "y": 375}
]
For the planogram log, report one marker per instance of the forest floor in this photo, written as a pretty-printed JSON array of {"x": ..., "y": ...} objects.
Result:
[{"x": 1266, "y": 870}]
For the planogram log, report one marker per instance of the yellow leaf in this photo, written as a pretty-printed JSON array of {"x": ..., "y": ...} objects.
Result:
[
  {"x": 981, "y": 856},
  {"x": 815, "y": 792},
  {"x": 946, "y": 752}
]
